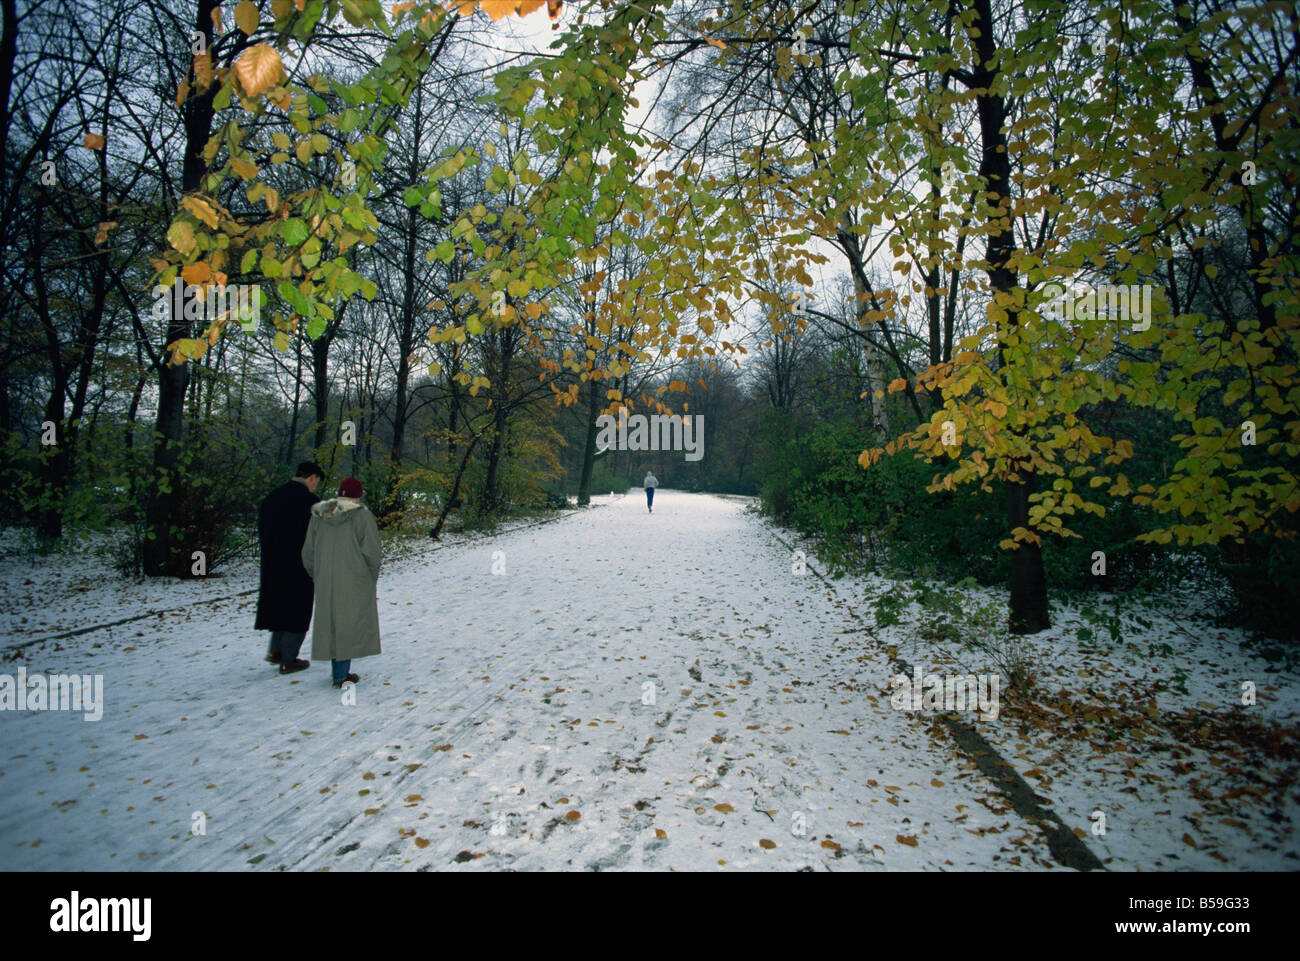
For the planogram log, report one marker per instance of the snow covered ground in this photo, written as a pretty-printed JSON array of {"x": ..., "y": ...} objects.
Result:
[
  {"x": 1135, "y": 720},
  {"x": 633, "y": 691}
]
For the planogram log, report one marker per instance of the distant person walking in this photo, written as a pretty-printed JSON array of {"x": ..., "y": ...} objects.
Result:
[
  {"x": 342, "y": 555},
  {"x": 284, "y": 593},
  {"x": 650, "y": 483}
]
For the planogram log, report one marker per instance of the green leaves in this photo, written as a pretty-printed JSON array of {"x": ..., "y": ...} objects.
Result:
[
  {"x": 363, "y": 13},
  {"x": 247, "y": 17},
  {"x": 292, "y": 296},
  {"x": 1106, "y": 204},
  {"x": 181, "y": 236},
  {"x": 498, "y": 180},
  {"x": 293, "y": 231}
]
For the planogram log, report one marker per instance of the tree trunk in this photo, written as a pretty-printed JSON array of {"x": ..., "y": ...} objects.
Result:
[
  {"x": 131, "y": 482},
  {"x": 161, "y": 554},
  {"x": 6, "y": 410},
  {"x": 405, "y": 345},
  {"x": 501, "y": 398},
  {"x": 492, "y": 485},
  {"x": 320, "y": 359},
  {"x": 1029, "y": 613},
  {"x": 454, "y": 494},
  {"x": 589, "y": 450},
  {"x": 1028, "y": 604},
  {"x": 292, "y": 446},
  {"x": 410, "y": 310},
  {"x": 875, "y": 368},
  {"x": 53, "y": 470}
]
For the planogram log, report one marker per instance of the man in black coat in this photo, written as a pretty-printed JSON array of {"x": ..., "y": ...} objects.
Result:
[{"x": 284, "y": 597}]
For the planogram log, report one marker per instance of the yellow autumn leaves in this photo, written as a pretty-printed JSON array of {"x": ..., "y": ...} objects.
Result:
[
  {"x": 496, "y": 9},
  {"x": 258, "y": 69}
]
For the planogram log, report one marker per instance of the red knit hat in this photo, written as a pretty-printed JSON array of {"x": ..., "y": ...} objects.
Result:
[{"x": 351, "y": 487}]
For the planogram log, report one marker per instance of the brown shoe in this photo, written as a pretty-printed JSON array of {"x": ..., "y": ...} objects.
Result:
[
  {"x": 350, "y": 679},
  {"x": 273, "y": 657},
  {"x": 294, "y": 666}
]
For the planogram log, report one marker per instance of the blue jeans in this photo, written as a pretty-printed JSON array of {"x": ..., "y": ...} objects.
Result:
[
  {"x": 287, "y": 644},
  {"x": 341, "y": 669},
  {"x": 649, "y": 497}
]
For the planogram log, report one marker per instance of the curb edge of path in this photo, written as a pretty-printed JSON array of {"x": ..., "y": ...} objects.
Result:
[{"x": 1063, "y": 844}]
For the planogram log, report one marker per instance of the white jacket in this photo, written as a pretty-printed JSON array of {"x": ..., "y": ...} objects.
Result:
[{"x": 650, "y": 480}]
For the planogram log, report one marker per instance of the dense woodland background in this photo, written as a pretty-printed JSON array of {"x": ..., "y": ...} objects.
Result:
[{"x": 107, "y": 110}]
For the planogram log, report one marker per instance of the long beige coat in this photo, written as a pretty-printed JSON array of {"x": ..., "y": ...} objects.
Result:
[{"x": 341, "y": 554}]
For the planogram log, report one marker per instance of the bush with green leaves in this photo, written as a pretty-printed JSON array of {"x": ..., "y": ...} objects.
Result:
[{"x": 883, "y": 517}]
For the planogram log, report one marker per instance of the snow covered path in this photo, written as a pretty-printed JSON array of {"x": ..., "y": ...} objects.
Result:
[{"x": 504, "y": 726}]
